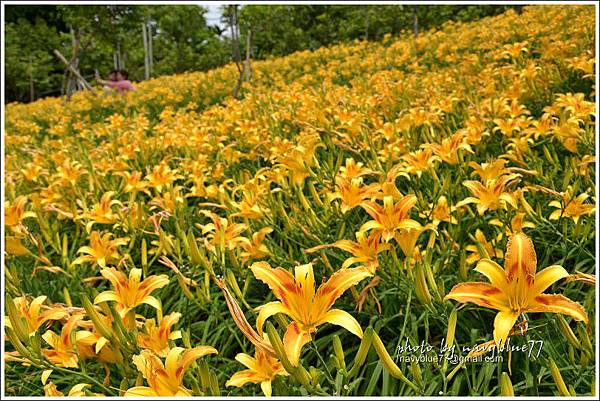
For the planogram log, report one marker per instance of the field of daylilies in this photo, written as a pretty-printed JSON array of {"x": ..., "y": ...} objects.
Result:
[{"x": 404, "y": 217}]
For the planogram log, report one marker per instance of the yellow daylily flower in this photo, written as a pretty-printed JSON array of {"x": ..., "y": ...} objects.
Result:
[
  {"x": 129, "y": 293},
  {"x": 352, "y": 169},
  {"x": 102, "y": 249},
  {"x": 261, "y": 369},
  {"x": 15, "y": 213},
  {"x": 156, "y": 338},
  {"x": 440, "y": 212},
  {"x": 166, "y": 380},
  {"x": 516, "y": 288},
  {"x": 390, "y": 217},
  {"x": 571, "y": 207},
  {"x": 102, "y": 212},
  {"x": 490, "y": 196},
  {"x": 448, "y": 149},
  {"x": 33, "y": 314},
  {"x": 255, "y": 249},
  {"x": 222, "y": 232},
  {"x": 489, "y": 246},
  {"x": 352, "y": 192},
  {"x": 307, "y": 308},
  {"x": 62, "y": 352},
  {"x": 364, "y": 250}
]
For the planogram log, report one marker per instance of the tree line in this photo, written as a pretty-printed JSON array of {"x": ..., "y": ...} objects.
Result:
[{"x": 153, "y": 40}]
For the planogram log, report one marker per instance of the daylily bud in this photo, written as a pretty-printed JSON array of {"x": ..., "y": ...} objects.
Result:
[
  {"x": 65, "y": 247},
  {"x": 14, "y": 340},
  {"x": 315, "y": 195},
  {"x": 421, "y": 287},
  {"x": 547, "y": 154},
  {"x": 415, "y": 371},
  {"x": 124, "y": 386},
  {"x": 567, "y": 332},
  {"x": 231, "y": 280},
  {"x": 585, "y": 338},
  {"x": 193, "y": 247},
  {"x": 560, "y": 383},
  {"x": 339, "y": 352},
  {"x": 214, "y": 383},
  {"x": 315, "y": 375},
  {"x": 431, "y": 279},
  {"x": 451, "y": 328},
  {"x": 362, "y": 352},
  {"x": 506, "y": 387},
  {"x": 144, "y": 257},
  {"x": 95, "y": 318},
  {"x": 67, "y": 296},
  {"x": 277, "y": 345},
  {"x": 389, "y": 364},
  {"x": 17, "y": 323}
]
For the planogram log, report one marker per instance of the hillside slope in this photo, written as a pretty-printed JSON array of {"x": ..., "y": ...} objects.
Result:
[{"x": 408, "y": 162}]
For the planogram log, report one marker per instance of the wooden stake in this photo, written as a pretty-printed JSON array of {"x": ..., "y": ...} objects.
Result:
[{"x": 74, "y": 71}]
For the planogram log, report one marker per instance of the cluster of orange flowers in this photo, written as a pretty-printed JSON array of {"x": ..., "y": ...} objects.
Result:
[{"x": 369, "y": 141}]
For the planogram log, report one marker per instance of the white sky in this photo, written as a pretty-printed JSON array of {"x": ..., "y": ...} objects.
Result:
[{"x": 213, "y": 16}]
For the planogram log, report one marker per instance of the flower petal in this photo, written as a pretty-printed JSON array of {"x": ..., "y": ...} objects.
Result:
[
  {"x": 520, "y": 260},
  {"x": 337, "y": 284},
  {"x": 268, "y": 310},
  {"x": 107, "y": 296},
  {"x": 554, "y": 303},
  {"x": 279, "y": 280},
  {"x": 344, "y": 319},
  {"x": 247, "y": 361},
  {"x": 266, "y": 387},
  {"x": 293, "y": 341},
  {"x": 305, "y": 278},
  {"x": 481, "y": 294},
  {"x": 503, "y": 323},
  {"x": 243, "y": 377},
  {"x": 493, "y": 271},
  {"x": 141, "y": 391},
  {"x": 547, "y": 277}
]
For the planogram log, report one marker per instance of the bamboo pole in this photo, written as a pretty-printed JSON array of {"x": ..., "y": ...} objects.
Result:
[
  {"x": 150, "y": 55},
  {"x": 146, "y": 61},
  {"x": 74, "y": 71},
  {"x": 31, "y": 91}
]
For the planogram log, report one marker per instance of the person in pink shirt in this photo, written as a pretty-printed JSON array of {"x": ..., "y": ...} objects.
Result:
[{"x": 120, "y": 82}]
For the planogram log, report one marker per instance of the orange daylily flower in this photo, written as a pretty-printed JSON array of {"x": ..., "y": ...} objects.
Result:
[
  {"x": 222, "y": 233},
  {"x": 129, "y": 293},
  {"x": 489, "y": 246},
  {"x": 261, "y": 369},
  {"x": 352, "y": 169},
  {"x": 32, "y": 312},
  {"x": 166, "y": 380},
  {"x": 102, "y": 211},
  {"x": 15, "y": 213},
  {"x": 352, "y": 192},
  {"x": 102, "y": 249},
  {"x": 307, "y": 308},
  {"x": 255, "y": 249},
  {"x": 571, "y": 207},
  {"x": 490, "y": 196},
  {"x": 391, "y": 217},
  {"x": 364, "y": 250},
  {"x": 62, "y": 352},
  {"x": 440, "y": 212},
  {"x": 448, "y": 149},
  {"x": 516, "y": 289},
  {"x": 156, "y": 338}
]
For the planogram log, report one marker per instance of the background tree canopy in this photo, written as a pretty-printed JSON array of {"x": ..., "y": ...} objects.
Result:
[{"x": 108, "y": 36}]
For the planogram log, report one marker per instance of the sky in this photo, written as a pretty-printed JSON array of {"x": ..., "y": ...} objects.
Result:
[{"x": 213, "y": 16}]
